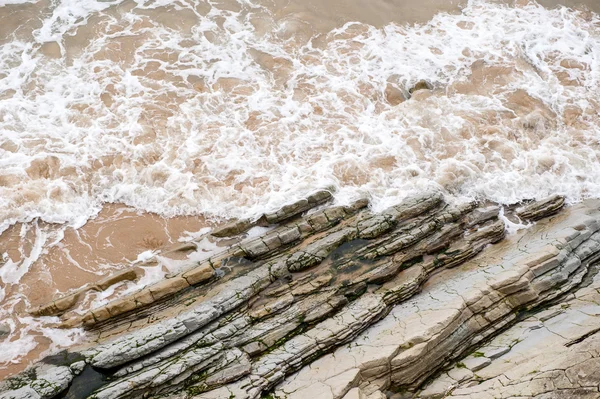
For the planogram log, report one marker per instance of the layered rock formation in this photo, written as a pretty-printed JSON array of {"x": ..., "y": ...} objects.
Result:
[{"x": 317, "y": 301}]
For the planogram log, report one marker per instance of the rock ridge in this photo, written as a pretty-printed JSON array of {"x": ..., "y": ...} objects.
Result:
[{"x": 330, "y": 301}]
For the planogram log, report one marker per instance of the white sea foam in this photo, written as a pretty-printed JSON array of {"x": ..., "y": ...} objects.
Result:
[
  {"x": 11, "y": 272},
  {"x": 13, "y": 2},
  {"x": 219, "y": 117},
  {"x": 510, "y": 226},
  {"x": 26, "y": 330},
  {"x": 199, "y": 126}
]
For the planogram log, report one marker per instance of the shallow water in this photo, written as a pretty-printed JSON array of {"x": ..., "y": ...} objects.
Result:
[{"x": 209, "y": 110}]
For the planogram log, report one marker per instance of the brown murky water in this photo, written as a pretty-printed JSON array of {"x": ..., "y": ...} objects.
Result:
[
  {"x": 109, "y": 242},
  {"x": 194, "y": 113}
]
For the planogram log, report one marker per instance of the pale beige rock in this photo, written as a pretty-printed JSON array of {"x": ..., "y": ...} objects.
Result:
[
  {"x": 143, "y": 297},
  {"x": 438, "y": 388},
  {"x": 476, "y": 363},
  {"x": 415, "y": 321},
  {"x": 377, "y": 395},
  {"x": 355, "y": 393},
  {"x": 460, "y": 374},
  {"x": 541, "y": 208}
]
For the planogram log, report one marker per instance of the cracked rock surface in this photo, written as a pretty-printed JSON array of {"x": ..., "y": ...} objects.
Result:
[
  {"x": 552, "y": 352},
  {"x": 424, "y": 299}
]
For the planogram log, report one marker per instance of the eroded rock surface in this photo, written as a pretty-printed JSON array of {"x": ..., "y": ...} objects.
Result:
[{"x": 340, "y": 302}]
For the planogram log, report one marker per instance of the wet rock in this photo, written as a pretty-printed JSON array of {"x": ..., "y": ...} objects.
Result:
[
  {"x": 343, "y": 302},
  {"x": 420, "y": 85},
  {"x": 297, "y": 207},
  {"x": 393, "y": 95},
  {"x": 237, "y": 227},
  {"x": 4, "y": 330},
  {"x": 481, "y": 215},
  {"x": 181, "y": 247},
  {"x": 542, "y": 208},
  {"x": 315, "y": 252},
  {"x": 42, "y": 381},
  {"x": 233, "y": 228},
  {"x": 168, "y": 287}
]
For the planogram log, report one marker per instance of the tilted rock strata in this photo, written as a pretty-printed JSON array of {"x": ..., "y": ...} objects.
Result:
[
  {"x": 554, "y": 353},
  {"x": 456, "y": 310},
  {"x": 206, "y": 270},
  {"x": 336, "y": 289}
]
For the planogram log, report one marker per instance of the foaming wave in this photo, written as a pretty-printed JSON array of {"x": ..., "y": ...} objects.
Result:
[
  {"x": 27, "y": 333},
  {"x": 213, "y": 118}
]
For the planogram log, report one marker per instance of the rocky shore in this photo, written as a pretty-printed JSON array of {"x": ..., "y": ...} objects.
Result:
[{"x": 426, "y": 299}]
